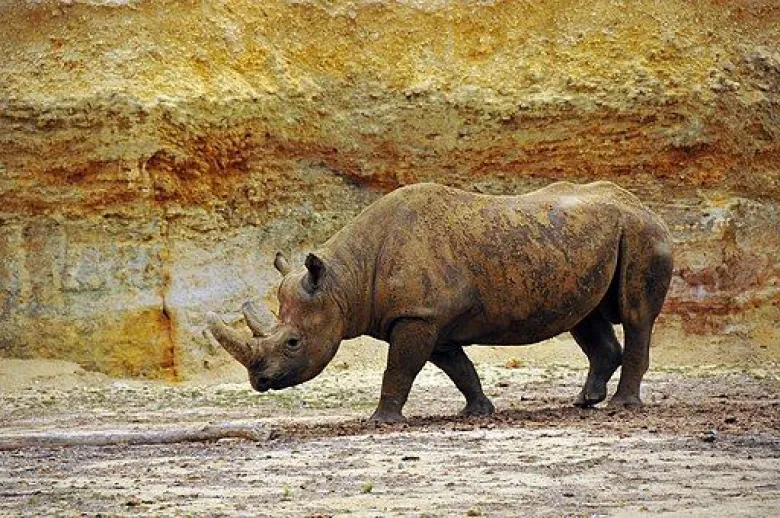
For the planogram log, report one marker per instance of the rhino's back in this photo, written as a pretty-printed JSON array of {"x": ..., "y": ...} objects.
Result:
[
  {"x": 431, "y": 195},
  {"x": 429, "y": 208},
  {"x": 595, "y": 196}
]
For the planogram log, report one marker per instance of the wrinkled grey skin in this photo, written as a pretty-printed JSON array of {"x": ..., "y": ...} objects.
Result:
[{"x": 431, "y": 269}]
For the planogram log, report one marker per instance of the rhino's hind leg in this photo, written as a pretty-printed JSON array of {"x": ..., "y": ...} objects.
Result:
[
  {"x": 411, "y": 344},
  {"x": 457, "y": 365},
  {"x": 596, "y": 338},
  {"x": 636, "y": 360},
  {"x": 644, "y": 282}
]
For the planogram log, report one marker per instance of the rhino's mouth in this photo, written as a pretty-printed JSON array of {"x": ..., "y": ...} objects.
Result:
[
  {"x": 264, "y": 384},
  {"x": 284, "y": 381}
]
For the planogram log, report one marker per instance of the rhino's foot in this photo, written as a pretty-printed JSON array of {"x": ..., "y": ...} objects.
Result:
[
  {"x": 623, "y": 401},
  {"x": 590, "y": 397},
  {"x": 384, "y": 417},
  {"x": 478, "y": 408},
  {"x": 587, "y": 401}
]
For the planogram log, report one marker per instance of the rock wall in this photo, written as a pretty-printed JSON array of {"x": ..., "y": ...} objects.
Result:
[{"x": 154, "y": 155}]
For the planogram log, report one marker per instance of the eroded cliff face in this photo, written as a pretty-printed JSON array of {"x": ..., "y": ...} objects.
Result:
[{"x": 154, "y": 155}]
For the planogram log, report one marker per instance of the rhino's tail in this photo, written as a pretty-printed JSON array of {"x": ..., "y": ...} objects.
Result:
[{"x": 609, "y": 306}]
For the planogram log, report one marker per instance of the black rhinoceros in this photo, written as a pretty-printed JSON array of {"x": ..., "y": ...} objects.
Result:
[{"x": 431, "y": 269}]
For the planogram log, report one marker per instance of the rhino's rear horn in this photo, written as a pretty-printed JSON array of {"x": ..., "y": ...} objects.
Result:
[
  {"x": 259, "y": 320},
  {"x": 230, "y": 340}
]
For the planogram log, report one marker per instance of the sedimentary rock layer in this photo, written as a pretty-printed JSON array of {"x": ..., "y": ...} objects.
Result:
[{"x": 154, "y": 155}]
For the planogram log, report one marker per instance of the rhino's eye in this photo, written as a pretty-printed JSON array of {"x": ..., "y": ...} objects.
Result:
[{"x": 293, "y": 343}]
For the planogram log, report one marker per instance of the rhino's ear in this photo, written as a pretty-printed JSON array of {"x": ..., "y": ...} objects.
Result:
[
  {"x": 316, "y": 268},
  {"x": 281, "y": 264}
]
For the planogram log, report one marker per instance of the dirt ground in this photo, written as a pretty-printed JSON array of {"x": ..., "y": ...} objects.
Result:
[{"x": 707, "y": 443}]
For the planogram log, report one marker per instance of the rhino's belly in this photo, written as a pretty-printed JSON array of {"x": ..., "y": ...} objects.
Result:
[
  {"x": 535, "y": 310},
  {"x": 513, "y": 329}
]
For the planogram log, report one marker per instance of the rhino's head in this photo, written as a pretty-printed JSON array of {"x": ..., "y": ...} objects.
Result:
[{"x": 299, "y": 344}]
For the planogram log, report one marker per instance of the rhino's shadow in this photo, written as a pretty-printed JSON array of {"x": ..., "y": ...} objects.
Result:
[{"x": 555, "y": 417}]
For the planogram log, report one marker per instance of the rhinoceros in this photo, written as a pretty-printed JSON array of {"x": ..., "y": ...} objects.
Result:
[{"x": 431, "y": 269}]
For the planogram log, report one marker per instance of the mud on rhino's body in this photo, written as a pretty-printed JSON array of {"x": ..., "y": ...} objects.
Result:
[{"x": 431, "y": 269}]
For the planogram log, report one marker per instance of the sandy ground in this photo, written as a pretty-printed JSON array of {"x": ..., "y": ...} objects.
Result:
[{"x": 707, "y": 443}]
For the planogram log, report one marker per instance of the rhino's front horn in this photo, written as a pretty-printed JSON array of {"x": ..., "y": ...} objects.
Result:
[
  {"x": 231, "y": 341},
  {"x": 257, "y": 320}
]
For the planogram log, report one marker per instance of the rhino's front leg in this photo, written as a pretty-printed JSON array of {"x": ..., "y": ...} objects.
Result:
[
  {"x": 411, "y": 345},
  {"x": 454, "y": 362}
]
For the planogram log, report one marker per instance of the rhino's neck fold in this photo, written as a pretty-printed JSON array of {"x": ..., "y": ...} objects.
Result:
[{"x": 351, "y": 285}]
